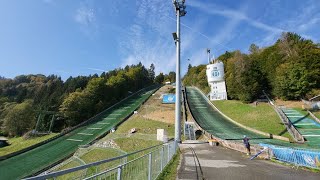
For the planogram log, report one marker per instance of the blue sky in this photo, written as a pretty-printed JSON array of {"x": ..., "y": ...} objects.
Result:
[{"x": 71, "y": 38}]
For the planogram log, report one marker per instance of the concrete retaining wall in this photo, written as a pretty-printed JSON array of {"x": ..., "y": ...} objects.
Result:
[{"x": 314, "y": 117}]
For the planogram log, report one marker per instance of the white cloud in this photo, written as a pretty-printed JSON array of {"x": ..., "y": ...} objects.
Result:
[
  {"x": 85, "y": 15},
  {"x": 300, "y": 22},
  {"x": 148, "y": 39},
  {"x": 232, "y": 14},
  {"x": 96, "y": 69},
  {"x": 309, "y": 24}
]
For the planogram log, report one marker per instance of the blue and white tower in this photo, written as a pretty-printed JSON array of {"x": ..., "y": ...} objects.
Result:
[{"x": 215, "y": 75}]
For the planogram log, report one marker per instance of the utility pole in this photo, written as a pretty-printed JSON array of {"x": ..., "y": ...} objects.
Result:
[{"x": 180, "y": 11}]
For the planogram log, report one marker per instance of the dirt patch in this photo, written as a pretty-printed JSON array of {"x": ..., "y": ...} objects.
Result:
[
  {"x": 289, "y": 104},
  {"x": 155, "y": 110},
  {"x": 163, "y": 116}
]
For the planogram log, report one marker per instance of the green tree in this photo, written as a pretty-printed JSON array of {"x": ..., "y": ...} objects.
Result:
[
  {"x": 292, "y": 81},
  {"x": 20, "y": 119},
  {"x": 77, "y": 107},
  {"x": 159, "y": 79},
  {"x": 151, "y": 72}
]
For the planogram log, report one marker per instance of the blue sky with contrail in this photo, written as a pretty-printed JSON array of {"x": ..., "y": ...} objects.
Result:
[{"x": 71, "y": 38}]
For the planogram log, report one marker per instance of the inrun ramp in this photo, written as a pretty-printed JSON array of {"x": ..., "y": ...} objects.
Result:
[
  {"x": 308, "y": 128},
  {"x": 43, "y": 156},
  {"x": 214, "y": 123}
]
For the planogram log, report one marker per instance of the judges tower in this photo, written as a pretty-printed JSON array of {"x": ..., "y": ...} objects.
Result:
[{"x": 215, "y": 75}]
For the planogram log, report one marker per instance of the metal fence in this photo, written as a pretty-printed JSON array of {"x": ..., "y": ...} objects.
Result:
[
  {"x": 144, "y": 164},
  {"x": 298, "y": 157}
]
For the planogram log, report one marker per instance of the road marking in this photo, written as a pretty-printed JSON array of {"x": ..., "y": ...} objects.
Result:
[
  {"x": 86, "y": 134},
  {"x": 102, "y": 123},
  {"x": 127, "y": 107},
  {"x": 78, "y": 140},
  {"x": 292, "y": 113},
  {"x": 304, "y": 124},
  {"x": 201, "y": 107},
  {"x": 312, "y": 135},
  {"x": 94, "y": 128},
  {"x": 295, "y": 116},
  {"x": 109, "y": 118}
]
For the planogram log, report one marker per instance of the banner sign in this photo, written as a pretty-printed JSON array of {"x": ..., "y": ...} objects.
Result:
[{"x": 169, "y": 99}]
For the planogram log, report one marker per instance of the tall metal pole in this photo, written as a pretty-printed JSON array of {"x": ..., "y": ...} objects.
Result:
[
  {"x": 180, "y": 11},
  {"x": 178, "y": 84}
]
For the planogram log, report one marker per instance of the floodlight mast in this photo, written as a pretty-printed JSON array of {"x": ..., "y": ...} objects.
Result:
[
  {"x": 180, "y": 11},
  {"x": 208, "y": 52}
]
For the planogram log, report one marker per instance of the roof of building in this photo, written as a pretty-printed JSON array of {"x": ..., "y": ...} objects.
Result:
[{"x": 3, "y": 138}]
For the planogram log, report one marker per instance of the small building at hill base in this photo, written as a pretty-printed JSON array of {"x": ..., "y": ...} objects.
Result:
[{"x": 3, "y": 142}]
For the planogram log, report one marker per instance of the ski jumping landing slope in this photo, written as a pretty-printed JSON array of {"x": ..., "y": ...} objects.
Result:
[
  {"x": 214, "y": 123},
  {"x": 36, "y": 159}
]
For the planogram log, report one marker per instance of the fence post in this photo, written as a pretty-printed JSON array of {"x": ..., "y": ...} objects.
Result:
[
  {"x": 296, "y": 162},
  {"x": 150, "y": 166},
  {"x": 168, "y": 154},
  {"x": 161, "y": 160},
  {"x": 119, "y": 172}
]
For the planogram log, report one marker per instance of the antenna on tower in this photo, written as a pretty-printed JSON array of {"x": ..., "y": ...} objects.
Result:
[
  {"x": 208, "y": 52},
  {"x": 213, "y": 58}
]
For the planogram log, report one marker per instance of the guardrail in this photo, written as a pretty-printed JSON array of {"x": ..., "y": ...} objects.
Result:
[
  {"x": 295, "y": 134},
  {"x": 143, "y": 164},
  {"x": 313, "y": 116},
  {"x": 298, "y": 157},
  {"x": 290, "y": 127}
]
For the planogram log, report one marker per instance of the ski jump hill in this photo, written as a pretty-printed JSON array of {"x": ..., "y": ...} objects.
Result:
[
  {"x": 216, "y": 124},
  {"x": 39, "y": 158}
]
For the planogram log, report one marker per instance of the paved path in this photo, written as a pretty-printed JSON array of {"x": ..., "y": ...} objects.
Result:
[{"x": 220, "y": 163}]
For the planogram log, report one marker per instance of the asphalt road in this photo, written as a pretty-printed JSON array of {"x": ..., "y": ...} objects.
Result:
[{"x": 220, "y": 163}]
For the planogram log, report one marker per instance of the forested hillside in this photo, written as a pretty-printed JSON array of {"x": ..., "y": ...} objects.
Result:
[
  {"x": 289, "y": 69},
  {"x": 73, "y": 101}
]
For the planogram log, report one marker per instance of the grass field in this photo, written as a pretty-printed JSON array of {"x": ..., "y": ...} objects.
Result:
[
  {"x": 170, "y": 171},
  {"x": 18, "y": 143},
  {"x": 317, "y": 114},
  {"x": 261, "y": 117},
  {"x": 145, "y": 126}
]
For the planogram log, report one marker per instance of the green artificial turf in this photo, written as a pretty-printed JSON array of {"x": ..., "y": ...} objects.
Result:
[
  {"x": 18, "y": 143},
  {"x": 34, "y": 160}
]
